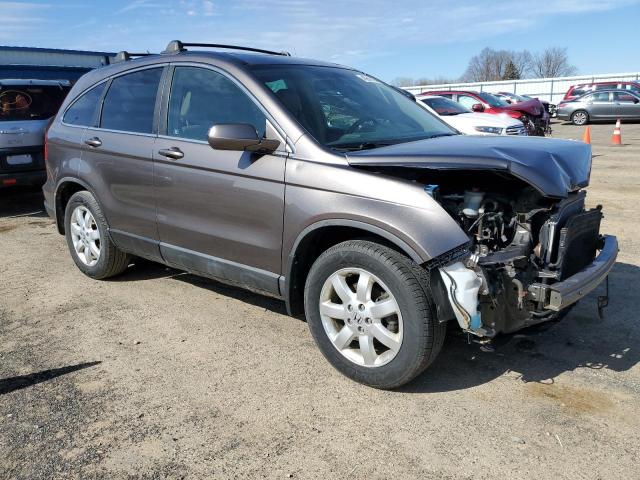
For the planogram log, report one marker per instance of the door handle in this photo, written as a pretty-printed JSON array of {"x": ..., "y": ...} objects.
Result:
[
  {"x": 93, "y": 142},
  {"x": 174, "y": 153}
]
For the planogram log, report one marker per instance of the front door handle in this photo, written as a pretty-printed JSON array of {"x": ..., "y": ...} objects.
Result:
[
  {"x": 93, "y": 142},
  {"x": 174, "y": 153}
]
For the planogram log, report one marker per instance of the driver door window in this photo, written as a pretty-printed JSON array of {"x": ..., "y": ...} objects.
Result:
[{"x": 201, "y": 98}]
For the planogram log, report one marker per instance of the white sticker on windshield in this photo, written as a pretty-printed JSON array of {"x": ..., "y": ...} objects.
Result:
[{"x": 366, "y": 78}]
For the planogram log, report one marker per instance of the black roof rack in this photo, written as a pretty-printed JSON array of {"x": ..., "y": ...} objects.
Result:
[
  {"x": 176, "y": 46},
  {"x": 124, "y": 56}
]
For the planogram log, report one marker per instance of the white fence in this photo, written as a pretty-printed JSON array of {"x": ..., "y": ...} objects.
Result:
[{"x": 550, "y": 89}]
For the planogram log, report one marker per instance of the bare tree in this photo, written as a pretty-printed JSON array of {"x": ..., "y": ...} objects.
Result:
[
  {"x": 489, "y": 65},
  {"x": 553, "y": 62},
  {"x": 402, "y": 82},
  {"x": 435, "y": 81},
  {"x": 523, "y": 61}
]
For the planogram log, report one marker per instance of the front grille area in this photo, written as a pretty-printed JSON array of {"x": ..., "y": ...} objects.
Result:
[
  {"x": 578, "y": 242},
  {"x": 516, "y": 130}
]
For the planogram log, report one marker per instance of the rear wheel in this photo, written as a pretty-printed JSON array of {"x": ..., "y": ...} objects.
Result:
[
  {"x": 369, "y": 312},
  {"x": 88, "y": 240},
  {"x": 579, "y": 117}
]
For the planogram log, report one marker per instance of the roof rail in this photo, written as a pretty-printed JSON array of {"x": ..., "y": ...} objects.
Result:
[
  {"x": 176, "y": 46},
  {"x": 123, "y": 56}
]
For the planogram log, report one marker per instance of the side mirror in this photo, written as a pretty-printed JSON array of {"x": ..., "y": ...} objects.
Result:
[
  {"x": 508, "y": 100},
  {"x": 239, "y": 137},
  {"x": 477, "y": 107}
]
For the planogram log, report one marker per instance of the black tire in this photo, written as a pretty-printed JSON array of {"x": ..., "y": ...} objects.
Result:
[
  {"x": 580, "y": 118},
  {"x": 111, "y": 261},
  {"x": 423, "y": 334}
]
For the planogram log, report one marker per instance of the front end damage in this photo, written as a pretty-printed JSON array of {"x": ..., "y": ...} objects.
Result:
[
  {"x": 534, "y": 248},
  {"x": 530, "y": 257}
]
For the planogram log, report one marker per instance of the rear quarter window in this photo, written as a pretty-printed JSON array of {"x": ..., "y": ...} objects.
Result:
[{"x": 83, "y": 111}]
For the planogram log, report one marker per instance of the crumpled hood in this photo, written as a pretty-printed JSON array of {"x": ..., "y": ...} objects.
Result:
[
  {"x": 554, "y": 167},
  {"x": 532, "y": 107}
]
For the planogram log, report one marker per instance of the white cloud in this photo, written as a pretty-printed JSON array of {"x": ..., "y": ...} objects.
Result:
[
  {"x": 207, "y": 8},
  {"x": 20, "y": 18},
  {"x": 138, "y": 4}
]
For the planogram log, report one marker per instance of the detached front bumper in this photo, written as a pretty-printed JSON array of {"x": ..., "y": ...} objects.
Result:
[{"x": 567, "y": 292}]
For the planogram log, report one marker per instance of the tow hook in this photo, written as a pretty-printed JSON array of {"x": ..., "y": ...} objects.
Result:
[
  {"x": 486, "y": 344},
  {"x": 603, "y": 300}
]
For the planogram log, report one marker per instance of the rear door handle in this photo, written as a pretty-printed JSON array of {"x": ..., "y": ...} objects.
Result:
[
  {"x": 174, "y": 153},
  {"x": 93, "y": 142}
]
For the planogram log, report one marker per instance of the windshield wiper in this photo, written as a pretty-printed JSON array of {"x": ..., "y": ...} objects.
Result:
[
  {"x": 353, "y": 147},
  {"x": 441, "y": 135}
]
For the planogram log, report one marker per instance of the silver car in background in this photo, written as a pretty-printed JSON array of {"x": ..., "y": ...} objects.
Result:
[
  {"x": 26, "y": 107},
  {"x": 601, "y": 105}
]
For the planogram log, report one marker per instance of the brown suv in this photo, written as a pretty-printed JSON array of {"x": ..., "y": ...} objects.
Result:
[{"x": 325, "y": 187}]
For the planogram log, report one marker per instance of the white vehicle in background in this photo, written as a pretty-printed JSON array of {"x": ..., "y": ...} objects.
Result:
[{"x": 471, "y": 123}]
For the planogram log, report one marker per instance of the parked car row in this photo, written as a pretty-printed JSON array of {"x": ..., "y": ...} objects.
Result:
[
  {"x": 472, "y": 123},
  {"x": 531, "y": 113}
]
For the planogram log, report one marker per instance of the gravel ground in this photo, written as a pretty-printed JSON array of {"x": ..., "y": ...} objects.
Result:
[{"x": 161, "y": 374}]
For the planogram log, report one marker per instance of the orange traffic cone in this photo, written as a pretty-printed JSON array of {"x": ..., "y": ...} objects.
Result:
[
  {"x": 586, "y": 138},
  {"x": 616, "y": 139}
]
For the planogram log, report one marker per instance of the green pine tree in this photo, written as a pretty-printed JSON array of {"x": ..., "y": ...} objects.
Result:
[{"x": 511, "y": 72}]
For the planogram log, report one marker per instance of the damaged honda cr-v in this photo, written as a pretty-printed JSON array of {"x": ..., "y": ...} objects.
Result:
[{"x": 325, "y": 187}]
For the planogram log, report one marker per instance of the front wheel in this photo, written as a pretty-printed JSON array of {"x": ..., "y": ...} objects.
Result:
[
  {"x": 369, "y": 310},
  {"x": 580, "y": 118}
]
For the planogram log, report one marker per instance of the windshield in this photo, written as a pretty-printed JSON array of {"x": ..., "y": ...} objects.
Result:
[
  {"x": 519, "y": 98},
  {"x": 444, "y": 106},
  {"x": 492, "y": 99},
  {"x": 30, "y": 102},
  {"x": 346, "y": 109}
]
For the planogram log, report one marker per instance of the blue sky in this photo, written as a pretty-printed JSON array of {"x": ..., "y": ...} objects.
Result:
[{"x": 412, "y": 38}]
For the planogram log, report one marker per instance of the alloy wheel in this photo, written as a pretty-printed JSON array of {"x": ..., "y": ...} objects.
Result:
[
  {"x": 85, "y": 236},
  {"x": 579, "y": 118},
  {"x": 361, "y": 317}
]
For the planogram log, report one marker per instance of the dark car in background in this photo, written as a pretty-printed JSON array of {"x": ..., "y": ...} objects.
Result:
[
  {"x": 531, "y": 113},
  {"x": 601, "y": 105},
  {"x": 26, "y": 107},
  {"x": 576, "y": 91}
]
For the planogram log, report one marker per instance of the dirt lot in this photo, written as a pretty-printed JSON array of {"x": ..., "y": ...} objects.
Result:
[{"x": 160, "y": 374}]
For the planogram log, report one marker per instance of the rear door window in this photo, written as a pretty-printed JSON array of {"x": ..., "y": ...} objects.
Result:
[
  {"x": 30, "y": 102},
  {"x": 624, "y": 97},
  {"x": 130, "y": 102},
  {"x": 84, "y": 110}
]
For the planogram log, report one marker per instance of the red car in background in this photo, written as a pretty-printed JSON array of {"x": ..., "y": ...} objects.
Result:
[
  {"x": 531, "y": 113},
  {"x": 576, "y": 91}
]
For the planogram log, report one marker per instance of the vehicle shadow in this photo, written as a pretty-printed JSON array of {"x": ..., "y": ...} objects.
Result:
[
  {"x": 8, "y": 385},
  {"x": 146, "y": 270},
  {"x": 539, "y": 354},
  {"x": 22, "y": 202}
]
